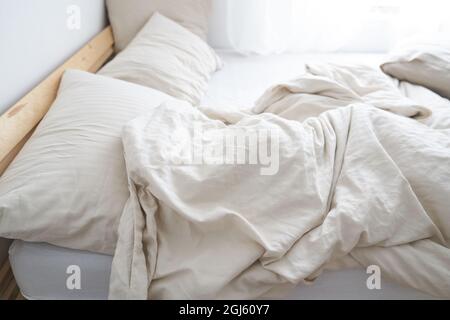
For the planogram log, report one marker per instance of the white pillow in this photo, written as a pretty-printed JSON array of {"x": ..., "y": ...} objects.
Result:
[
  {"x": 127, "y": 17},
  {"x": 166, "y": 57},
  {"x": 423, "y": 61},
  {"x": 68, "y": 185}
]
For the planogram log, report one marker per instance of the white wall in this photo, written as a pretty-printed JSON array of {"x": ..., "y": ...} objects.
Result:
[
  {"x": 217, "y": 35},
  {"x": 34, "y": 40}
]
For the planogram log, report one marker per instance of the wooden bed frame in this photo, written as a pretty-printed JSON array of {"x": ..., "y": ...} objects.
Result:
[{"x": 18, "y": 123}]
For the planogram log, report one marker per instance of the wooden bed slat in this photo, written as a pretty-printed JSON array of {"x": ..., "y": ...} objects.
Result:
[{"x": 17, "y": 122}]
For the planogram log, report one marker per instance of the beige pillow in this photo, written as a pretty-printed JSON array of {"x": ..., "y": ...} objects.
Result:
[
  {"x": 127, "y": 17},
  {"x": 425, "y": 62},
  {"x": 167, "y": 57},
  {"x": 68, "y": 185}
]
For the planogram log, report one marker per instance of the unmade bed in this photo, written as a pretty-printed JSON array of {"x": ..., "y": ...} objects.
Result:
[{"x": 41, "y": 269}]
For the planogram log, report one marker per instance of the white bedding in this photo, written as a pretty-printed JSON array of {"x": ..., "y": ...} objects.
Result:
[
  {"x": 357, "y": 179},
  {"x": 240, "y": 82}
]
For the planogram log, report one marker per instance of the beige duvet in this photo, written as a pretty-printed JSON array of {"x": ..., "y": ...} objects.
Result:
[{"x": 361, "y": 178}]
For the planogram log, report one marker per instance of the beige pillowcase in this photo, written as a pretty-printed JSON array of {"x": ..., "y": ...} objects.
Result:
[
  {"x": 167, "y": 57},
  {"x": 425, "y": 62},
  {"x": 127, "y": 17},
  {"x": 68, "y": 185}
]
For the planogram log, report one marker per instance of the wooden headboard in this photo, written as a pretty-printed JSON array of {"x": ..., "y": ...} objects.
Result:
[{"x": 18, "y": 122}]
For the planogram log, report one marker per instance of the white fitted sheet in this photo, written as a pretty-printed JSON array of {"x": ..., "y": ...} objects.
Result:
[
  {"x": 243, "y": 79},
  {"x": 40, "y": 269}
]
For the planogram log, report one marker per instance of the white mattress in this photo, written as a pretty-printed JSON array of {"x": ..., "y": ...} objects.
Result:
[{"x": 40, "y": 269}]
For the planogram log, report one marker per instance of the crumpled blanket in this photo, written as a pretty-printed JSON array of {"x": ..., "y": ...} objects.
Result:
[
  {"x": 327, "y": 86},
  {"x": 330, "y": 167}
]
